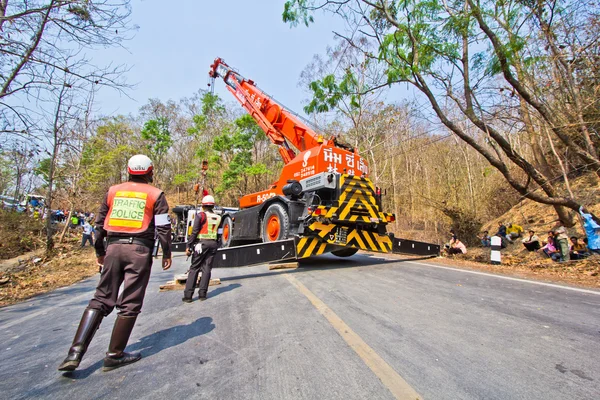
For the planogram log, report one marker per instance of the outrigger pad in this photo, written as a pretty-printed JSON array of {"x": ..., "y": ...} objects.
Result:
[
  {"x": 405, "y": 246},
  {"x": 252, "y": 254}
]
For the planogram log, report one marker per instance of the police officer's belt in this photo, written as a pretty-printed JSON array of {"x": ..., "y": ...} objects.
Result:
[{"x": 130, "y": 240}]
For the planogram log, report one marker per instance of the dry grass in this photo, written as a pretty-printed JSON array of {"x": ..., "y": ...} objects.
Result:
[
  {"x": 67, "y": 265},
  {"x": 584, "y": 273},
  {"x": 542, "y": 218}
]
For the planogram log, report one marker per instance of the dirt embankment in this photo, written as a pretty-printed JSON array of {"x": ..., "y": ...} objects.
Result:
[
  {"x": 34, "y": 273},
  {"x": 583, "y": 273}
]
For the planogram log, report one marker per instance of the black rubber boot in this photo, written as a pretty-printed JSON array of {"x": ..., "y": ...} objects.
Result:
[
  {"x": 89, "y": 324},
  {"x": 116, "y": 357}
]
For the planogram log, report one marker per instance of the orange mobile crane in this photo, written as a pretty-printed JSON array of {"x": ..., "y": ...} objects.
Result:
[{"x": 323, "y": 201}]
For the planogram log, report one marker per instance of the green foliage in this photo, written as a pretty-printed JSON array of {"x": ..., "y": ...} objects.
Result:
[
  {"x": 212, "y": 108},
  {"x": 104, "y": 156},
  {"x": 43, "y": 168},
  {"x": 296, "y": 11},
  {"x": 156, "y": 132},
  {"x": 235, "y": 153},
  {"x": 6, "y": 174}
]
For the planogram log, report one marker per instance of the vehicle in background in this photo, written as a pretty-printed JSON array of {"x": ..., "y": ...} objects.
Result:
[{"x": 10, "y": 203}]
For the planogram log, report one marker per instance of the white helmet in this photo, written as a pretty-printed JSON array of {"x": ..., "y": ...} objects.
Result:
[
  {"x": 139, "y": 165},
  {"x": 208, "y": 201}
]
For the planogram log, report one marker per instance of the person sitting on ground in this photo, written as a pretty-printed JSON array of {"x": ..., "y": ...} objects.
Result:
[
  {"x": 485, "y": 239},
  {"x": 513, "y": 231},
  {"x": 502, "y": 234},
  {"x": 550, "y": 235},
  {"x": 578, "y": 250},
  {"x": 453, "y": 237},
  {"x": 457, "y": 248},
  {"x": 549, "y": 248},
  {"x": 562, "y": 243},
  {"x": 531, "y": 241},
  {"x": 591, "y": 225}
]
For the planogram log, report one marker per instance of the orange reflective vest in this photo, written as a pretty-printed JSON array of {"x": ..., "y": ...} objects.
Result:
[
  {"x": 131, "y": 207},
  {"x": 209, "y": 229}
]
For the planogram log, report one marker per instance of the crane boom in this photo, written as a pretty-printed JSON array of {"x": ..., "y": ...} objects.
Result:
[{"x": 280, "y": 125}]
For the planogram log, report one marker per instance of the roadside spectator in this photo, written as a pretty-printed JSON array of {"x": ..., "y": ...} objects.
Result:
[
  {"x": 562, "y": 243},
  {"x": 531, "y": 241},
  {"x": 457, "y": 247},
  {"x": 485, "y": 239},
  {"x": 36, "y": 213},
  {"x": 502, "y": 234},
  {"x": 591, "y": 225},
  {"x": 74, "y": 220},
  {"x": 453, "y": 237},
  {"x": 550, "y": 235},
  {"x": 513, "y": 231},
  {"x": 578, "y": 250},
  {"x": 87, "y": 234},
  {"x": 550, "y": 249},
  {"x": 501, "y": 230}
]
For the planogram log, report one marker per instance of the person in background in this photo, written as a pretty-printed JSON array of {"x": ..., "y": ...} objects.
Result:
[
  {"x": 550, "y": 235},
  {"x": 591, "y": 225},
  {"x": 578, "y": 250},
  {"x": 549, "y": 248},
  {"x": 485, "y": 239},
  {"x": 531, "y": 241},
  {"x": 457, "y": 247},
  {"x": 88, "y": 230},
  {"x": 202, "y": 245},
  {"x": 502, "y": 234},
  {"x": 562, "y": 243},
  {"x": 74, "y": 221},
  {"x": 513, "y": 231}
]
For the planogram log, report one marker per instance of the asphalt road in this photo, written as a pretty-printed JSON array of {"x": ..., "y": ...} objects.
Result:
[{"x": 332, "y": 329}]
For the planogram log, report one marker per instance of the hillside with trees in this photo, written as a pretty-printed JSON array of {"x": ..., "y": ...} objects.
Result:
[{"x": 504, "y": 109}]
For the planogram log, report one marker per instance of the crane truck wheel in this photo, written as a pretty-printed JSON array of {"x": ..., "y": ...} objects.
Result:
[
  {"x": 227, "y": 229},
  {"x": 275, "y": 223},
  {"x": 347, "y": 252}
]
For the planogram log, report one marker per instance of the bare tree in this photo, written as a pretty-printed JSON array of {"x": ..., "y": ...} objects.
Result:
[
  {"x": 40, "y": 37},
  {"x": 439, "y": 48}
]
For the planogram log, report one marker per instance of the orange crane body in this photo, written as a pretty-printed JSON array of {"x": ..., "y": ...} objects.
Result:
[{"x": 282, "y": 127}]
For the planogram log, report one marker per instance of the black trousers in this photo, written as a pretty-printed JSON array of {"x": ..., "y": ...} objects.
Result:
[
  {"x": 124, "y": 263},
  {"x": 86, "y": 238},
  {"x": 201, "y": 263}
]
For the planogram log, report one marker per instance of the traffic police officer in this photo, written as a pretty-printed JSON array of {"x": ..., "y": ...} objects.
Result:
[
  {"x": 202, "y": 245},
  {"x": 129, "y": 217}
]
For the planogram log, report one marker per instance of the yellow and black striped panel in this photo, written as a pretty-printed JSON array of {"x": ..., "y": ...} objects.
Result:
[
  {"x": 313, "y": 246},
  {"x": 357, "y": 201},
  {"x": 352, "y": 236},
  {"x": 370, "y": 241}
]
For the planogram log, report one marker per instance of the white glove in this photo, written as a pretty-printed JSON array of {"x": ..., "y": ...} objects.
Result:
[{"x": 198, "y": 248}]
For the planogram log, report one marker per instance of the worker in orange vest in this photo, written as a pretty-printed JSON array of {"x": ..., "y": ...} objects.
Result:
[
  {"x": 130, "y": 216},
  {"x": 202, "y": 245}
]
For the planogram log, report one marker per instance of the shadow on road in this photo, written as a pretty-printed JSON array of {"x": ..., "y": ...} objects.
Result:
[
  {"x": 327, "y": 263},
  {"x": 170, "y": 337},
  {"x": 156, "y": 342},
  {"x": 223, "y": 289}
]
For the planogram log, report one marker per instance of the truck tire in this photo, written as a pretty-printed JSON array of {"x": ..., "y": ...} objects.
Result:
[
  {"x": 275, "y": 223},
  {"x": 347, "y": 252},
  {"x": 227, "y": 231}
]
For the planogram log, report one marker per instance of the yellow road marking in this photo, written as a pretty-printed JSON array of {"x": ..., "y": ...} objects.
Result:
[{"x": 399, "y": 388}]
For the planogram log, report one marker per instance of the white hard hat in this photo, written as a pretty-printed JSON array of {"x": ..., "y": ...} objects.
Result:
[
  {"x": 208, "y": 201},
  {"x": 139, "y": 165}
]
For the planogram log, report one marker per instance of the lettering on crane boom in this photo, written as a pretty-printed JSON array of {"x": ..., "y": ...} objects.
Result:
[{"x": 261, "y": 198}]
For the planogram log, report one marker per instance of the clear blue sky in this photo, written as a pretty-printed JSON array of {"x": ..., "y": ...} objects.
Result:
[{"x": 178, "y": 40}]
